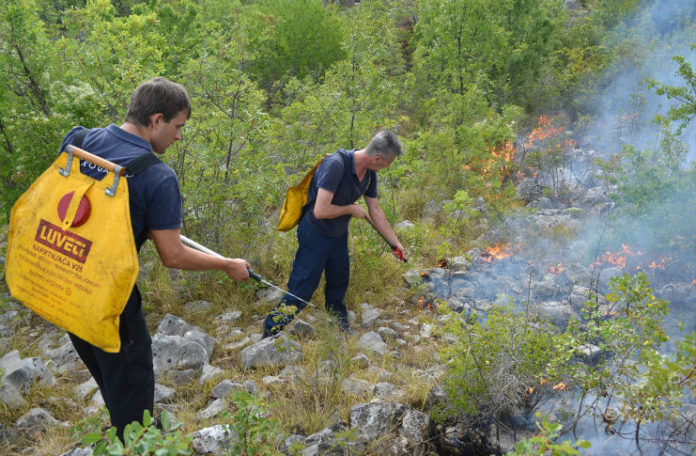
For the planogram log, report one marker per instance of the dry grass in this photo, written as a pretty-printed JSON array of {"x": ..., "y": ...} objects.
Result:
[{"x": 303, "y": 404}]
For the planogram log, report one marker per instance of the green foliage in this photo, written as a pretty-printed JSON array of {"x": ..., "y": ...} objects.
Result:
[
  {"x": 275, "y": 84},
  {"x": 653, "y": 184},
  {"x": 493, "y": 362},
  {"x": 500, "y": 47},
  {"x": 685, "y": 111},
  {"x": 251, "y": 430},
  {"x": 255, "y": 432},
  {"x": 458, "y": 42},
  {"x": 460, "y": 207},
  {"x": 29, "y": 125},
  {"x": 469, "y": 147},
  {"x": 142, "y": 439},
  {"x": 647, "y": 385},
  {"x": 654, "y": 188},
  {"x": 632, "y": 317},
  {"x": 362, "y": 86},
  {"x": 225, "y": 175},
  {"x": 356, "y": 96},
  {"x": 293, "y": 38},
  {"x": 545, "y": 443},
  {"x": 88, "y": 425},
  {"x": 112, "y": 54}
]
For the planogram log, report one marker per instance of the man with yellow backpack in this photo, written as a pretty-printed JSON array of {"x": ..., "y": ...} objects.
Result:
[
  {"x": 157, "y": 112},
  {"x": 322, "y": 233}
]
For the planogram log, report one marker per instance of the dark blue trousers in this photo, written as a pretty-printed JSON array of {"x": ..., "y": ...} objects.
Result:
[{"x": 316, "y": 253}]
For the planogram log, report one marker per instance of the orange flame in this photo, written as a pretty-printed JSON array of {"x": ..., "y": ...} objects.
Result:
[
  {"x": 497, "y": 252},
  {"x": 506, "y": 151},
  {"x": 501, "y": 155},
  {"x": 617, "y": 259},
  {"x": 556, "y": 269},
  {"x": 543, "y": 131}
]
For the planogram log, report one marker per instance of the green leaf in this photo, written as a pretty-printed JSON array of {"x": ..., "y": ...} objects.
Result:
[{"x": 90, "y": 438}]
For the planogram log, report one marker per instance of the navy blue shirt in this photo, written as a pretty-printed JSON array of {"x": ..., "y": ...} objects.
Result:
[
  {"x": 337, "y": 175},
  {"x": 155, "y": 198}
]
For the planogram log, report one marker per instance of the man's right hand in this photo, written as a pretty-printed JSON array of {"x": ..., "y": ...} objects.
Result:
[{"x": 237, "y": 269}]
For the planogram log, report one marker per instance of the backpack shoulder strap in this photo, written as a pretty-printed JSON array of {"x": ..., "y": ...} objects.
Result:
[
  {"x": 79, "y": 137},
  {"x": 142, "y": 163},
  {"x": 138, "y": 165},
  {"x": 346, "y": 166}
]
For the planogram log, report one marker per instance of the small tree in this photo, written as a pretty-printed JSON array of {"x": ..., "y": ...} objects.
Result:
[
  {"x": 494, "y": 362},
  {"x": 294, "y": 38},
  {"x": 632, "y": 379},
  {"x": 685, "y": 96}
]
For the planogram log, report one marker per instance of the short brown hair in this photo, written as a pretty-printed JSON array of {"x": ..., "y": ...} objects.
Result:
[{"x": 158, "y": 95}]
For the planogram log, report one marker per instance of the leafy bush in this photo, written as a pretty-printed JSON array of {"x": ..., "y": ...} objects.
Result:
[
  {"x": 685, "y": 110},
  {"x": 655, "y": 191},
  {"x": 256, "y": 432},
  {"x": 545, "y": 443},
  {"x": 293, "y": 38},
  {"x": 142, "y": 439},
  {"x": 632, "y": 379},
  {"x": 494, "y": 362},
  {"x": 252, "y": 431}
]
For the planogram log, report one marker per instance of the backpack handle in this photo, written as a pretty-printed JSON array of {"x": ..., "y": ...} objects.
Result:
[
  {"x": 118, "y": 170},
  {"x": 84, "y": 155}
]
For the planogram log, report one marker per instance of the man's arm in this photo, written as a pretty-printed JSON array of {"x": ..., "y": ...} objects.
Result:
[
  {"x": 174, "y": 254},
  {"x": 323, "y": 209},
  {"x": 380, "y": 222}
]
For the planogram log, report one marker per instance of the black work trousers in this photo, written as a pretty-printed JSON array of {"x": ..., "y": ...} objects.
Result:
[{"x": 126, "y": 379}]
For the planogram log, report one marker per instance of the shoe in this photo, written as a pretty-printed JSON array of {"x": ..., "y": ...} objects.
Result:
[{"x": 345, "y": 327}]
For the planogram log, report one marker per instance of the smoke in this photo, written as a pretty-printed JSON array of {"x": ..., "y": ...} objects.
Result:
[
  {"x": 652, "y": 219},
  {"x": 588, "y": 224},
  {"x": 655, "y": 210},
  {"x": 646, "y": 44}
]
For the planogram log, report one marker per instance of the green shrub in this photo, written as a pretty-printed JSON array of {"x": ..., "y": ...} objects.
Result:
[
  {"x": 142, "y": 439},
  {"x": 631, "y": 380},
  {"x": 658, "y": 192},
  {"x": 256, "y": 432},
  {"x": 544, "y": 444},
  {"x": 494, "y": 361},
  {"x": 293, "y": 38}
]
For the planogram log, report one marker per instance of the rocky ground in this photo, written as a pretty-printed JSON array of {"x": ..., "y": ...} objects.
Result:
[{"x": 383, "y": 418}]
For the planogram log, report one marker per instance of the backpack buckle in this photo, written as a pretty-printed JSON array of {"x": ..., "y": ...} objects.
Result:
[
  {"x": 65, "y": 172},
  {"x": 111, "y": 191}
]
